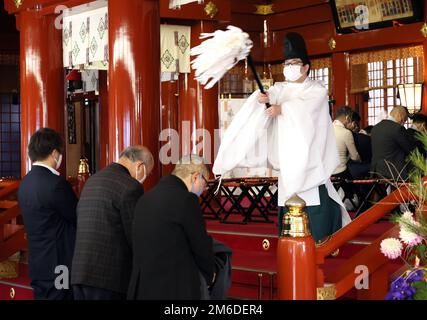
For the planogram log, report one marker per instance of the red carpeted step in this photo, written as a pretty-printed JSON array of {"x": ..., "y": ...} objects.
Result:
[{"x": 254, "y": 248}]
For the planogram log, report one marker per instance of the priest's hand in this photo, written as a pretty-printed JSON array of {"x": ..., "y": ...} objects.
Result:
[
  {"x": 263, "y": 98},
  {"x": 274, "y": 111}
]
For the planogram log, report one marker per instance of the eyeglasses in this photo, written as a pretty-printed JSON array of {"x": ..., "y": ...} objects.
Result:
[{"x": 292, "y": 63}]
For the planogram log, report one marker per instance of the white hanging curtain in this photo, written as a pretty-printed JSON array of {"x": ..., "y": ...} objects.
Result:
[
  {"x": 85, "y": 41},
  {"x": 176, "y": 4},
  {"x": 175, "y": 48},
  {"x": 85, "y": 38}
]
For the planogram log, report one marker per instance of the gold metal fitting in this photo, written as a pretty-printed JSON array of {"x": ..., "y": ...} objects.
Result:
[
  {"x": 295, "y": 222},
  {"x": 12, "y": 293},
  {"x": 264, "y": 9},
  {"x": 332, "y": 44},
  {"x": 84, "y": 166},
  {"x": 266, "y": 244},
  {"x": 424, "y": 30},
  {"x": 211, "y": 9},
  {"x": 335, "y": 253},
  {"x": 18, "y": 3},
  {"x": 328, "y": 292}
]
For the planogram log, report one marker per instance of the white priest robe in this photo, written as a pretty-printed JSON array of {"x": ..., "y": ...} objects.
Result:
[{"x": 300, "y": 142}]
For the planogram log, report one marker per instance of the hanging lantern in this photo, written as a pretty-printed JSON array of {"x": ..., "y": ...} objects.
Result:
[{"x": 411, "y": 96}]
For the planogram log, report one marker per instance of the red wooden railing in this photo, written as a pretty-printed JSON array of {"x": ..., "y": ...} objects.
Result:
[
  {"x": 342, "y": 279},
  {"x": 12, "y": 233}
]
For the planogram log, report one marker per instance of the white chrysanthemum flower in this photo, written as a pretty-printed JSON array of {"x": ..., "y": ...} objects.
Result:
[
  {"x": 409, "y": 238},
  {"x": 391, "y": 248},
  {"x": 408, "y": 215}
]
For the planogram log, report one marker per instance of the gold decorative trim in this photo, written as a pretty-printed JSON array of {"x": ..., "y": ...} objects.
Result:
[
  {"x": 332, "y": 44},
  {"x": 18, "y": 3},
  {"x": 335, "y": 253},
  {"x": 388, "y": 54},
  {"x": 328, "y": 292},
  {"x": 8, "y": 269},
  {"x": 264, "y": 9},
  {"x": 211, "y": 9},
  {"x": 424, "y": 30},
  {"x": 320, "y": 63},
  {"x": 266, "y": 244},
  {"x": 12, "y": 293}
]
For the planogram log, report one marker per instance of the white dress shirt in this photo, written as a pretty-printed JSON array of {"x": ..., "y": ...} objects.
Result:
[
  {"x": 47, "y": 167},
  {"x": 346, "y": 146}
]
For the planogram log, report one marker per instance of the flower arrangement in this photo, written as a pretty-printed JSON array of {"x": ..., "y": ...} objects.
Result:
[{"x": 411, "y": 246}]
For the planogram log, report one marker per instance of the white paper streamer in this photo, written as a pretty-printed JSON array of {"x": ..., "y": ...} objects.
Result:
[{"x": 218, "y": 54}]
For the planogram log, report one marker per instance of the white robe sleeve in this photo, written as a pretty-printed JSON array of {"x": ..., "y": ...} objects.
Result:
[{"x": 243, "y": 143}]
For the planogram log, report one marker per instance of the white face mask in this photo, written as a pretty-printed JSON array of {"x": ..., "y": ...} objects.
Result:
[
  {"x": 58, "y": 162},
  {"x": 193, "y": 187},
  {"x": 141, "y": 181},
  {"x": 292, "y": 72}
]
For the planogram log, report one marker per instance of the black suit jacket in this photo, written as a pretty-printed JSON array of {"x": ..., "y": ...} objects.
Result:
[
  {"x": 103, "y": 254},
  {"x": 392, "y": 143},
  {"x": 363, "y": 146},
  {"x": 170, "y": 244},
  {"x": 414, "y": 135},
  {"x": 48, "y": 207}
]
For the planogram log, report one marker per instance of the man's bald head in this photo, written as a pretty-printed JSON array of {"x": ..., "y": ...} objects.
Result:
[{"x": 400, "y": 114}]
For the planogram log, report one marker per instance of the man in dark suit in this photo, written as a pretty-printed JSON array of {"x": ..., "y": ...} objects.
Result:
[
  {"x": 419, "y": 126},
  {"x": 391, "y": 144},
  {"x": 102, "y": 260},
  {"x": 48, "y": 207},
  {"x": 170, "y": 244},
  {"x": 360, "y": 170}
]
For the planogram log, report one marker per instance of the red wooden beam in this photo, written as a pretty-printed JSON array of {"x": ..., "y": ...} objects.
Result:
[
  {"x": 195, "y": 11},
  {"x": 283, "y": 6},
  {"x": 362, "y": 222},
  {"x": 247, "y": 7},
  {"x": 317, "y": 38},
  {"x": 297, "y": 18}
]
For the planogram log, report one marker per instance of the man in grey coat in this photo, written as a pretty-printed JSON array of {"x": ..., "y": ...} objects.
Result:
[{"x": 102, "y": 261}]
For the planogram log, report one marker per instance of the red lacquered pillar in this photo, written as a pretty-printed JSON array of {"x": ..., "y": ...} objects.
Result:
[
  {"x": 42, "y": 79},
  {"x": 296, "y": 256},
  {"x": 198, "y": 106},
  {"x": 134, "y": 78}
]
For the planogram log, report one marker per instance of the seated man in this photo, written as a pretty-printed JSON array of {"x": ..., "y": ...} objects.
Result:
[
  {"x": 171, "y": 247},
  {"x": 360, "y": 170},
  {"x": 391, "y": 144},
  {"x": 345, "y": 142},
  {"x": 346, "y": 147}
]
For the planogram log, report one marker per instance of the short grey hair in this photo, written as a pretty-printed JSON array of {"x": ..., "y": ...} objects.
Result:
[
  {"x": 190, "y": 164},
  {"x": 138, "y": 153}
]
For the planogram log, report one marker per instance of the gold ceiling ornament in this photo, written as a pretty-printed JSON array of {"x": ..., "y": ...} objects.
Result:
[
  {"x": 424, "y": 30},
  {"x": 264, "y": 9},
  {"x": 211, "y": 9},
  {"x": 18, "y": 3},
  {"x": 332, "y": 44}
]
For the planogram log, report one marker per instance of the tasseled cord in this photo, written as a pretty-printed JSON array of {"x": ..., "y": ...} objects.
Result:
[{"x": 219, "y": 185}]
